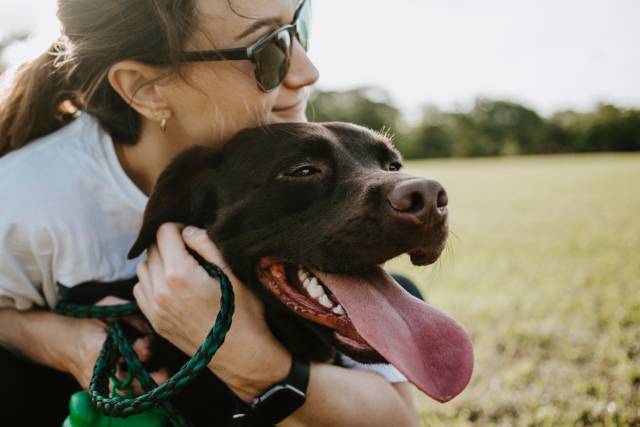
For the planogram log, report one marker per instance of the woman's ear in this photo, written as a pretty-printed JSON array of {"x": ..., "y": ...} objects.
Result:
[
  {"x": 185, "y": 193},
  {"x": 137, "y": 83}
]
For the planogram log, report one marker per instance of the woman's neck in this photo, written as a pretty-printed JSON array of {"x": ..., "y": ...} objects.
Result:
[{"x": 145, "y": 160}]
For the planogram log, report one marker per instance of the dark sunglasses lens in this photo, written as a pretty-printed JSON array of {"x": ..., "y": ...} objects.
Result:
[
  {"x": 272, "y": 60},
  {"x": 303, "y": 25}
]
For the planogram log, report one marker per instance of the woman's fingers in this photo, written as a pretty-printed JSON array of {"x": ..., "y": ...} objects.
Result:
[
  {"x": 111, "y": 300},
  {"x": 156, "y": 268},
  {"x": 179, "y": 267},
  {"x": 143, "y": 290},
  {"x": 169, "y": 242},
  {"x": 198, "y": 240},
  {"x": 161, "y": 376},
  {"x": 139, "y": 323},
  {"x": 142, "y": 347}
]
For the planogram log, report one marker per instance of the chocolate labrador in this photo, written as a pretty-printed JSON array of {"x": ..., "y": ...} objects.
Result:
[{"x": 305, "y": 214}]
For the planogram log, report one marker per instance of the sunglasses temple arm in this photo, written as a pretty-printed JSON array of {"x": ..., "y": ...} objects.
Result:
[{"x": 216, "y": 55}]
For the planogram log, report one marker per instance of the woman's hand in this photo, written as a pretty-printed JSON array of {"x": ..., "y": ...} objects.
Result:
[
  {"x": 181, "y": 302},
  {"x": 89, "y": 336}
]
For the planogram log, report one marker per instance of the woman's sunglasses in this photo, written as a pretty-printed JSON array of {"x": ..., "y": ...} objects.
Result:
[{"x": 271, "y": 55}]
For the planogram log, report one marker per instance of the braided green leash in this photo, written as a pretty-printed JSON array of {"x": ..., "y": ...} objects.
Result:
[{"x": 117, "y": 345}]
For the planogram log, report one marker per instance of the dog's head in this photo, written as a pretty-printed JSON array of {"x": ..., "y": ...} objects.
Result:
[{"x": 305, "y": 214}]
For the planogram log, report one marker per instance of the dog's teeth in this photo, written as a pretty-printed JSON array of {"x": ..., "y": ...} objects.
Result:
[
  {"x": 338, "y": 310},
  {"x": 325, "y": 301},
  {"x": 303, "y": 275},
  {"x": 314, "y": 289},
  {"x": 316, "y": 292}
]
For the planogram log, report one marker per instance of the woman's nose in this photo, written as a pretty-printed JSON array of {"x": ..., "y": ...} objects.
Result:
[{"x": 302, "y": 72}]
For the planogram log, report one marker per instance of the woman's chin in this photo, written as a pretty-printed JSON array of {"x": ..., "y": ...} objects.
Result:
[{"x": 288, "y": 116}]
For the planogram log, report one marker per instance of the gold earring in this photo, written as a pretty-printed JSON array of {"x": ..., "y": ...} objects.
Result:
[{"x": 163, "y": 125}]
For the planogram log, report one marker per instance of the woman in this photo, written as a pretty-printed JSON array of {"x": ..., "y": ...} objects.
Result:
[{"x": 78, "y": 193}]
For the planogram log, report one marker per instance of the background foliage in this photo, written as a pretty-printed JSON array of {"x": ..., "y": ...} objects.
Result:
[{"x": 489, "y": 128}]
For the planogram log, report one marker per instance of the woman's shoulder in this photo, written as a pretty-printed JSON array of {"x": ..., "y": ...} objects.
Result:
[
  {"x": 55, "y": 159},
  {"x": 76, "y": 138},
  {"x": 52, "y": 169}
]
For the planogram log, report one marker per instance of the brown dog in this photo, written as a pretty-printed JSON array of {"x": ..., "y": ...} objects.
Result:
[{"x": 305, "y": 213}]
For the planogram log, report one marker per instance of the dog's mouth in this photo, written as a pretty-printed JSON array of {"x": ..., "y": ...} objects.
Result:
[
  {"x": 375, "y": 319},
  {"x": 307, "y": 296}
]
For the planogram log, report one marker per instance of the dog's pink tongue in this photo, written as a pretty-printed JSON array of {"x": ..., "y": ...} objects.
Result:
[{"x": 431, "y": 349}]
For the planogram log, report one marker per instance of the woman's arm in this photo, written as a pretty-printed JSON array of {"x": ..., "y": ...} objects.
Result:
[
  {"x": 339, "y": 397},
  {"x": 63, "y": 343},
  {"x": 181, "y": 301}
]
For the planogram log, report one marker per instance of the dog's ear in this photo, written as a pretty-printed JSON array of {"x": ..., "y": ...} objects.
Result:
[{"x": 185, "y": 193}]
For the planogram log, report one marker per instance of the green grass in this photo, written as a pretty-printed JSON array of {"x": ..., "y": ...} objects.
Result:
[{"x": 543, "y": 268}]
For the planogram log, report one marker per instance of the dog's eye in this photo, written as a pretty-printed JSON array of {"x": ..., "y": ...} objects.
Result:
[
  {"x": 395, "y": 166},
  {"x": 303, "y": 172}
]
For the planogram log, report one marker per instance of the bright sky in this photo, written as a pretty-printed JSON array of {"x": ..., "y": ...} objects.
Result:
[{"x": 548, "y": 54}]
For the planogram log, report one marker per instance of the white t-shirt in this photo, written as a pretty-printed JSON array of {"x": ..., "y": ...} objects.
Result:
[{"x": 68, "y": 217}]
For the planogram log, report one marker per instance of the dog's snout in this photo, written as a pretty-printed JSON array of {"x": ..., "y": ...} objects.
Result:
[{"x": 419, "y": 199}]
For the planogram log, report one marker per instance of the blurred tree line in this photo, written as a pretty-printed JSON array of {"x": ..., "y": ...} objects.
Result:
[{"x": 489, "y": 128}]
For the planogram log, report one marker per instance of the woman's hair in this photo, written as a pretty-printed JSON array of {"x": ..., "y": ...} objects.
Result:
[{"x": 72, "y": 75}]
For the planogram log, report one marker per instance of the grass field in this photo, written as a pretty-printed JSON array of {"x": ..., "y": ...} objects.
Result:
[{"x": 544, "y": 271}]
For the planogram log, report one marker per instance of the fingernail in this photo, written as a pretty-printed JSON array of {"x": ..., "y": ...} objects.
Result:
[{"x": 189, "y": 231}]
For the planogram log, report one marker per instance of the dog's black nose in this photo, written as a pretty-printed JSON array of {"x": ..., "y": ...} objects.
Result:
[{"x": 421, "y": 199}]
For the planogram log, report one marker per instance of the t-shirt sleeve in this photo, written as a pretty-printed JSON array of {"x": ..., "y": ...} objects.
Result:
[
  {"x": 25, "y": 259},
  {"x": 388, "y": 371}
]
